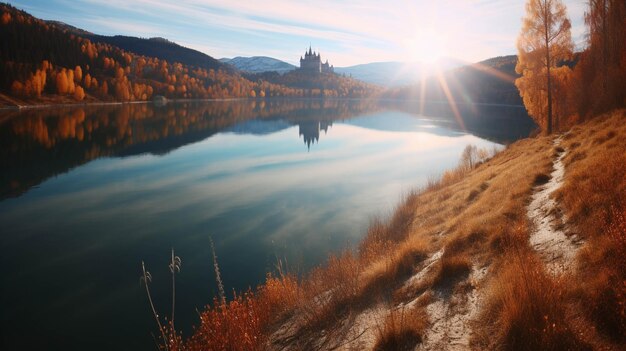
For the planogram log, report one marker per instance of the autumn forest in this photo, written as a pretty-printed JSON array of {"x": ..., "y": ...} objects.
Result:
[{"x": 63, "y": 67}]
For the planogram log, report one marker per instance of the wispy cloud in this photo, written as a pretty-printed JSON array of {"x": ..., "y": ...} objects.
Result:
[{"x": 348, "y": 32}]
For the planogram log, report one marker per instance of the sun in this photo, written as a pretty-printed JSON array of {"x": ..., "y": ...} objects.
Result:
[{"x": 426, "y": 46}]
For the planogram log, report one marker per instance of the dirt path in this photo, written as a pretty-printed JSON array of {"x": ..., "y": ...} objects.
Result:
[
  {"x": 451, "y": 315},
  {"x": 549, "y": 236},
  {"x": 450, "y": 312}
]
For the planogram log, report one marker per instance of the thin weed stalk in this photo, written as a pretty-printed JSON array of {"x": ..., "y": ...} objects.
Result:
[
  {"x": 218, "y": 277},
  {"x": 174, "y": 266},
  {"x": 147, "y": 278}
]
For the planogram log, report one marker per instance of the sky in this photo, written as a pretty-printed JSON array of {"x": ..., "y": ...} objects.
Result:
[{"x": 346, "y": 33}]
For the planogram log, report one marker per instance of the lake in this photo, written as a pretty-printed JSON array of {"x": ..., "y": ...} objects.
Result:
[{"x": 87, "y": 193}]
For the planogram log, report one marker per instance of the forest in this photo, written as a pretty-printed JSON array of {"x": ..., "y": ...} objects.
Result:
[
  {"x": 61, "y": 66},
  {"x": 560, "y": 87}
]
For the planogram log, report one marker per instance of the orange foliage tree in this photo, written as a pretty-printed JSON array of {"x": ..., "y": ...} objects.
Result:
[
  {"x": 544, "y": 42},
  {"x": 62, "y": 84},
  {"x": 79, "y": 93},
  {"x": 601, "y": 73}
]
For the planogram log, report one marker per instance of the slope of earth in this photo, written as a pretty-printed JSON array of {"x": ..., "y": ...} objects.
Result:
[{"x": 525, "y": 250}]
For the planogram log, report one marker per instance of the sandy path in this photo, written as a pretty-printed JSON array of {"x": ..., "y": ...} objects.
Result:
[
  {"x": 549, "y": 238},
  {"x": 451, "y": 316}
]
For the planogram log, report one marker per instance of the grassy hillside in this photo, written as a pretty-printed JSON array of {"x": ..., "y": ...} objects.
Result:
[{"x": 466, "y": 262}]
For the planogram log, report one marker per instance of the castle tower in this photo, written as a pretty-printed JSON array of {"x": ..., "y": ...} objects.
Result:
[{"x": 311, "y": 63}]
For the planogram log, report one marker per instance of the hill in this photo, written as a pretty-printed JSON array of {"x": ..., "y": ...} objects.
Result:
[
  {"x": 160, "y": 48},
  {"x": 259, "y": 64},
  {"x": 490, "y": 81},
  {"x": 50, "y": 63},
  {"x": 394, "y": 74},
  {"x": 518, "y": 250}
]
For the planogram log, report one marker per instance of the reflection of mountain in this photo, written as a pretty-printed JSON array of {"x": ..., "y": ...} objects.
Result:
[
  {"x": 39, "y": 143},
  {"x": 259, "y": 127}
]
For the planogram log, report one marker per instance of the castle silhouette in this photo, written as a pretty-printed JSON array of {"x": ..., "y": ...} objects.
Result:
[{"x": 312, "y": 63}]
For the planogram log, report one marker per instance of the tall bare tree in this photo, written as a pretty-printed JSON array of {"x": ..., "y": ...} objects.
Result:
[{"x": 544, "y": 42}]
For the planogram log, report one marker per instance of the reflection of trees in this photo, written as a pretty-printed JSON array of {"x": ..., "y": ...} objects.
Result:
[{"x": 39, "y": 143}]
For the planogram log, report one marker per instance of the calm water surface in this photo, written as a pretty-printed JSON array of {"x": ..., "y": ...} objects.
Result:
[{"x": 87, "y": 193}]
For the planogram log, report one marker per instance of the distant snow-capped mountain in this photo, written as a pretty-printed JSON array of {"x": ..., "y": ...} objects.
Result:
[{"x": 259, "y": 64}]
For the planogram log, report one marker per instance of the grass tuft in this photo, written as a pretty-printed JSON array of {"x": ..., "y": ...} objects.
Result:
[{"x": 401, "y": 330}]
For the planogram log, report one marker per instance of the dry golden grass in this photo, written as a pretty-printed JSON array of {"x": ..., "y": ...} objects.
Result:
[
  {"x": 594, "y": 197},
  {"x": 526, "y": 307},
  {"x": 465, "y": 212},
  {"x": 478, "y": 217},
  {"x": 401, "y": 330},
  {"x": 523, "y": 298}
]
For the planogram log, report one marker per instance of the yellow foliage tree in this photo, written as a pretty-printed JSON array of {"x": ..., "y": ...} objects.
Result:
[
  {"x": 78, "y": 73},
  {"x": 6, "y": 18},
  {"x": 62, "y": 84},
  {"x": 545, "y": 41},
  {"x": 79, "y": 93},
  {"x": 87, "y": 81}
]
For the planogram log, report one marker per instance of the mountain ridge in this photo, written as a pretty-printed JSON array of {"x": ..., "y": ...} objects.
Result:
[
  {"x": 161, "y": 48},
  {"x": 258, "y": 64}
]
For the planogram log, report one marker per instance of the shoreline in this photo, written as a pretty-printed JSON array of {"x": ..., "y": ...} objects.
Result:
[{"x": 113, "y": 103}]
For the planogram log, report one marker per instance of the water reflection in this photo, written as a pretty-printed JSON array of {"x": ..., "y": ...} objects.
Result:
[
  {"x": 155, "y": 178},
  {"x": 39, "y": 143}
]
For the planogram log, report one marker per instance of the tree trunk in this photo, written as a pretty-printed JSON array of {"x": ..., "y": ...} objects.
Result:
[{"x": 549, "y": 81}]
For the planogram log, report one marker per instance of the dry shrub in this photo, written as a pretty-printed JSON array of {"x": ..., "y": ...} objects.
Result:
[
  {"x": 527, "y": 309},
  {"x": 401, "y": 330},
  {"x": 233, "y": 325},
  {"x": 241, "y": 324},
  {"x": 280, "y": 294}
]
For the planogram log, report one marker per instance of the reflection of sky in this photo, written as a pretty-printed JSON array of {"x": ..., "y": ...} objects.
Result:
[{"x": 258, "y": 197}]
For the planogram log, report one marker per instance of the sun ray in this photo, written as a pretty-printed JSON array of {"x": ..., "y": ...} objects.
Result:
[{"x": 450, "y": 98}]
